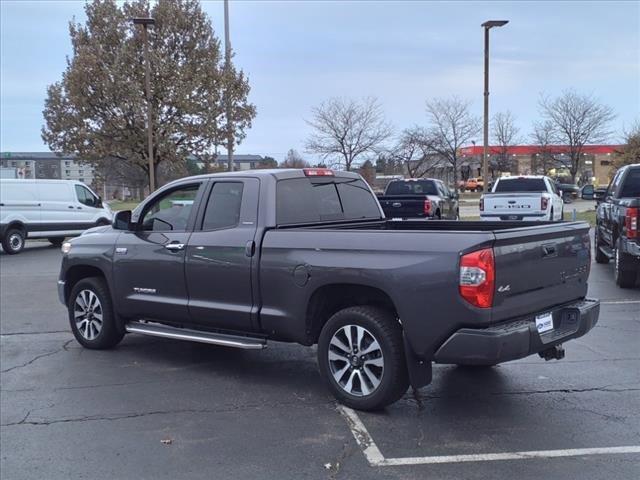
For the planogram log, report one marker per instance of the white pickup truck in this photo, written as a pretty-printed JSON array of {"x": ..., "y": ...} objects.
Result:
[{"x": 529, "y": 198}]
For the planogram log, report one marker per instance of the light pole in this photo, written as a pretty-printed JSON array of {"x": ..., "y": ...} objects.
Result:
[
  {"x": 146, "y": 22},
  {"x": 488, "y": 25},
  {"x": 227, "y": 69}
]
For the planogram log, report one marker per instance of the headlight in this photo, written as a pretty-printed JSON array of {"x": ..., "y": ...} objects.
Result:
[{"x": 66, "y": 248}]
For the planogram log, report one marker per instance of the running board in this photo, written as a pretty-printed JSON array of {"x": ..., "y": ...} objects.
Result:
[{"x": 165, "y": 331}]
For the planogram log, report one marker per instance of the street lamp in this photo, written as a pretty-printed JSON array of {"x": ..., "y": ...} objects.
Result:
[
  {"x": 148, "y": 22},
  {"x": 488, "y": 25}
]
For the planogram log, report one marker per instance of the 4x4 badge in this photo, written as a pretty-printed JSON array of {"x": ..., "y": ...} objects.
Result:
[{"x": 504, "y": 288}]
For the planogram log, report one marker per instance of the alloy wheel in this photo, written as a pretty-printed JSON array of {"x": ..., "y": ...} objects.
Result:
[
  {"x": 356, "y": 360},
  {"x": 87, "y": 312}
]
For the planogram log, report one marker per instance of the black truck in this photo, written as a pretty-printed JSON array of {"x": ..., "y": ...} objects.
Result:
[
  {"x": 424, "y": 198},
  {"x": 307, "y": 256},
  {"x": 617, "y": 217}
]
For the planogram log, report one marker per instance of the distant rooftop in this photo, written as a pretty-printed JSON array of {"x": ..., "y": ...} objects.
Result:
[{"x": 72, "y": 156}]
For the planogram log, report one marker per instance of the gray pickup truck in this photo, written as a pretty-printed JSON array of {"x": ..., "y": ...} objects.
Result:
[{"x": 307, "y": 256}]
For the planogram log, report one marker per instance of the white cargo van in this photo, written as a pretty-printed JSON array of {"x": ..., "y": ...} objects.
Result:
[{"x": 52, "y": 209}]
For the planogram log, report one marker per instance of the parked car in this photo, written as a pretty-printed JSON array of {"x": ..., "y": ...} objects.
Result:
[
  {"x": 474, "y": 185},
  {"x": 616, "y": 232},
  {"x": 425, "y": 198},
  {"x": 530, "y": 197},
  {"x": 568, "y": 191},
  {"x": 307, "y": 256},
  {"x": 52, "y": 209}
]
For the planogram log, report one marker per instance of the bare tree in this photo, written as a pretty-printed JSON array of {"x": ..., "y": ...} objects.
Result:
[
  {"x": 630, "y": 152},
  {"x": 413, "y": 151},
  {"x": 577, "y": 120},
  {"x": 345, "y": 131},
  {"x": 294, "y": 160},
  {"x": 451, "y": 126},
  {"x": 505, "y": 135},
  {"x": 543, "y": 137}
]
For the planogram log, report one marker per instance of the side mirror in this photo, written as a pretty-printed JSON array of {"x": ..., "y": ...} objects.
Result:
[
  {"x": 588, "y": 192},
  {"x": 599, "y": 194},
  {"x": 454, "y": 196},
  {"x": 122, "y": 220}
]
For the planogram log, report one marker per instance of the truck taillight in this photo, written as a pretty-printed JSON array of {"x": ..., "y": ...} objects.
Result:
[
  {"x": 318, "y": 172},
  {"x": 477, "y": 277},
  {"x": 544, "y": 202},
  {"x": 481, "y": 204},
  {"x": 427, "y": 207},
  {"x": 631, "y": 222}
]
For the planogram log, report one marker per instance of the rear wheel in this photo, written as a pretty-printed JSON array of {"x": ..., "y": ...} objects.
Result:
[
  {"x": 361, "y": 357},
  {"x": 91, "y": 314},
  {"x": 13, "y": 241},
  {"x": 56, "y": 241},
  {"x": 624, "y": 271}
]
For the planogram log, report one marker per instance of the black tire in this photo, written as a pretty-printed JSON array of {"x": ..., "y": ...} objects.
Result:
[
  {"x": 13, "y": 241},
  {"x": 600, "y": 256},
  {"x": 551, "y": 215},
  {"x": 384, "y": 328},
  {"x": 624, "y": 271},
  {"x": 56, "y": 241},
  {"x": 108, "y": 335}
]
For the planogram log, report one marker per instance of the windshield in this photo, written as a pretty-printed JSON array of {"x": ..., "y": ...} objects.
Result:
[
  {"x": 412, "y": 187},
  {"x": 520, "y": 185}
]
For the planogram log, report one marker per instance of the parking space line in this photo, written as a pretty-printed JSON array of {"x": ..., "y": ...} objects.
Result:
[
  {"x": 618, "y": 302},
  {"x": 375, "y": 458}
]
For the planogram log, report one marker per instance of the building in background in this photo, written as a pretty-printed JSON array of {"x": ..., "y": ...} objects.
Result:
[
  {"x": 551, "y": 160},
  {"x": 42, "y": 165}
]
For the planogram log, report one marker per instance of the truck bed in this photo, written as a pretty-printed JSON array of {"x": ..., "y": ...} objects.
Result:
[{"x": 539, "y": 265}]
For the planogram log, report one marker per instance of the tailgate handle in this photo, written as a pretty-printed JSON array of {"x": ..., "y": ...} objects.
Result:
[{"x": 549, "y": 250}]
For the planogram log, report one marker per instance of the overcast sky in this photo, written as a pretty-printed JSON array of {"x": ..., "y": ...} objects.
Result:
[{"x": 298, "y": 54}]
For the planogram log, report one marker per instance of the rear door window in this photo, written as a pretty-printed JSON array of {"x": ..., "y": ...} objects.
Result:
[
  {"x": 304, "y": 200},
  {"x": 520, "y": 185},
  {"x": 223, "y": 207},
  {"x": 631, "y": 184},
  {"x": 85, "y": 196}
]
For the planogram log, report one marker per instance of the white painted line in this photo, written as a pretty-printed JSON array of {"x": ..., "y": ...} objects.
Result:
[
  {"x": 371, "y": 451},
  {"x": 489, "y": 457},
  {"x": 375, "y": 458},
  {"x": 618, "y": 302}
]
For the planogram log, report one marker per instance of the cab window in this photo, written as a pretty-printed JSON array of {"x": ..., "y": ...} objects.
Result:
[
  {"x": 171, "y": 211},
  {"x": 223, "y": 207},
  {"x": 86, "y": 197}
]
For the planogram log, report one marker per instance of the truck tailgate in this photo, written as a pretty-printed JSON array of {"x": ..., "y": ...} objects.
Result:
[
  {"x": 539, "y": 267},
  {"x": 509, "y": 204},
  {"x": 403, "y": 206}
]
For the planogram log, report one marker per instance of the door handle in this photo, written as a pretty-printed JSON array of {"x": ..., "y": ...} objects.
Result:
[
  {"x": 70, "y": 206},
  {"x": 250, "y": 248},
  {"x": 174, "y": 247},
  {"x": 79, "y": 208}
]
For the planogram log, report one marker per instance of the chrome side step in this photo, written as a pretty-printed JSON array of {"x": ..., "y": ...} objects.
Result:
[{"x": 166, "y": 331}]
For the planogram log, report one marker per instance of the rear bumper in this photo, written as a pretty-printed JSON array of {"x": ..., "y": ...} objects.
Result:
[
  {"x": 518, "y": 338},
  {"x": 514, "y": 216},
  {"x": 631, "y": 248}
]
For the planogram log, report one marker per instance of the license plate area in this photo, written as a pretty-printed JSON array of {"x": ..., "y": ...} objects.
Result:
[
  {"x": 544, "y": 322},
  {"x": 556, "y": 324}
]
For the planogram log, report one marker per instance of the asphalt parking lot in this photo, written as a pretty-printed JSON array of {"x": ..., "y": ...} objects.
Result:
[{"x": 155, "y": 408}]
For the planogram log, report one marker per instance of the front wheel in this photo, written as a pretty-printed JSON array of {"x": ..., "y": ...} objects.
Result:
[
  {"x": 600, "y": 256},
  {"x": 361, "y": 357},
  {"x": 91, "y": 315}
]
